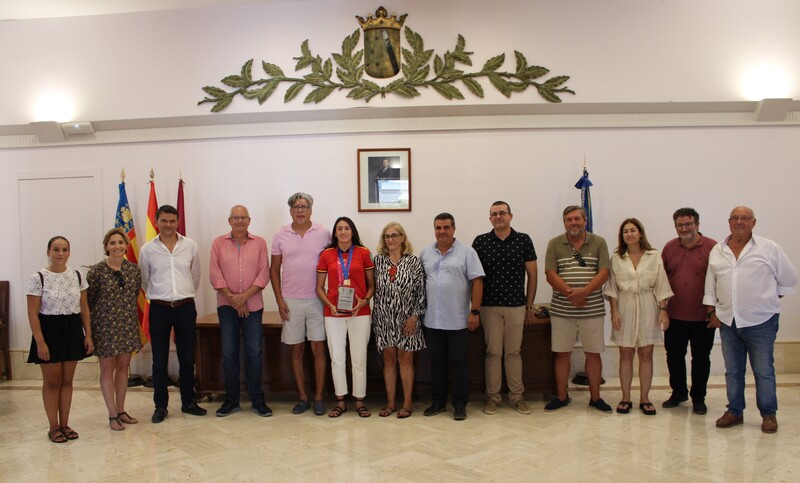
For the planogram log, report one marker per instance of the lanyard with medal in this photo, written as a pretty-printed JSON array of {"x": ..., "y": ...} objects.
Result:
[{"x": 344, "y": 303}]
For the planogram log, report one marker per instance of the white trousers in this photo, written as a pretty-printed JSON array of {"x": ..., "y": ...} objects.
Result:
[{"x": 338, "y": 329}]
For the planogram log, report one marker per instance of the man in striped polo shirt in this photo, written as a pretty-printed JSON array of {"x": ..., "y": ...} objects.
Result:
[{"x": 577, "y": 266}]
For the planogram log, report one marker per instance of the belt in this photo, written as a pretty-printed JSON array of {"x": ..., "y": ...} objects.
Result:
[{"x": 172, "y": 303}]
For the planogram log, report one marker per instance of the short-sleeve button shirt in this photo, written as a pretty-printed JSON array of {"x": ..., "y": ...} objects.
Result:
[{"x": 504, "y": 263}]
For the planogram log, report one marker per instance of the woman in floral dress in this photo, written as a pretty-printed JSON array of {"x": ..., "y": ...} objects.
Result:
[{"x": 114, "y": 286}]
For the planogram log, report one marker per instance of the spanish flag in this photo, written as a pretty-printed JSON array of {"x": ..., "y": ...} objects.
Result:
[{"x": 151, "y": 231}]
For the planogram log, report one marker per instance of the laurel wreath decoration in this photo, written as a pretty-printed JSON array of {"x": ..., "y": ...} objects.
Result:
[{"x": 416, "y": 69}]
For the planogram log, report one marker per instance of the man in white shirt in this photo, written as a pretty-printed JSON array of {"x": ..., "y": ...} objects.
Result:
[
  {"x": 170, "y": 277},
  {"x": 747, "y": 275}
]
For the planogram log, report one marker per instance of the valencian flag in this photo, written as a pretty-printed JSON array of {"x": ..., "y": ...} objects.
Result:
[
  {"x": 583, "y": 184},
  {"x": 151, "y": 231},
  {"x": 124, "y": 220},
  {"x": 181, "y": 218}
]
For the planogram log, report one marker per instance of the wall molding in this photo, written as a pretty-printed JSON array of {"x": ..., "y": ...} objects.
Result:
[{"x": 411, "y": 119}]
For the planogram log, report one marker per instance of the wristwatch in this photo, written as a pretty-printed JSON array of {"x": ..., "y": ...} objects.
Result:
[{"x": 475, "y": 312}]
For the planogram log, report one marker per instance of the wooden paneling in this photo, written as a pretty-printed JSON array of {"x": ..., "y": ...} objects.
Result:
[{"x": 277, "y": 370}]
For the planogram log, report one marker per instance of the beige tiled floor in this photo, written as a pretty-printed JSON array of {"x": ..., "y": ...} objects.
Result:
[{"x": 574, "y": 444}]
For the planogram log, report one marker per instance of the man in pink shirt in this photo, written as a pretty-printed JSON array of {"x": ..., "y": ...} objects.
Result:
[
  {"x": 295, "y": 252},
  {"x": 238, "y": 272}
]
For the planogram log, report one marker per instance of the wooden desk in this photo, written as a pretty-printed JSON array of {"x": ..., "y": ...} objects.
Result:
[{"x": 537, "y": 361}]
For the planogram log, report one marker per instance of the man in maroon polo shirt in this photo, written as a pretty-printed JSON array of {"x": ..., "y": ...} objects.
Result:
[{"x": 686, "y": 260}]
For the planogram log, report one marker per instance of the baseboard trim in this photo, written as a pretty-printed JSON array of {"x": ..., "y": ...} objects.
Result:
[{"x": 787, "y": 361}]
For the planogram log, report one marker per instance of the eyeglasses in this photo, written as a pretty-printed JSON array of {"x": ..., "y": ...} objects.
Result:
[
  {"x": 239, "y": 218},
  {"x": 301, "y": 207},
  {"x": 495, "y": 214},
  {"x": 391, "y": 236},
  {"x": 120, "y": 280},
  {"x": 684, "y": 225},
  {"x": 735, "y": 219},
  {"x": 577, "y": 256},
  {"x": 392, "y": 273}
]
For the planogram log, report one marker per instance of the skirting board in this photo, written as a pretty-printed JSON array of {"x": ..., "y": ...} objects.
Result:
[{"x": 787, "y": 361}]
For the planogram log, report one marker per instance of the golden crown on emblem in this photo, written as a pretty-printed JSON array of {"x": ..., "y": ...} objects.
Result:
[{"x": 382, "y": 20}]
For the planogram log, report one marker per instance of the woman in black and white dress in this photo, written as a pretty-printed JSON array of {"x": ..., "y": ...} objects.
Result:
[
  {"x": 399, "y": 305},
  {"x": 62, "y": 335}
]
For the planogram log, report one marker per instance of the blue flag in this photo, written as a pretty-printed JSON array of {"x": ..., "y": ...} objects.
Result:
[
  {"x": 583, "y": 184},
  {"x": 123, "y": 218}
]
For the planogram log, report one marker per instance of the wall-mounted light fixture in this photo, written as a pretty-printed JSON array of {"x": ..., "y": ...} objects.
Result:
[
  {"x": 57, "y": 132},
  {"x": 772, "y": 110}
]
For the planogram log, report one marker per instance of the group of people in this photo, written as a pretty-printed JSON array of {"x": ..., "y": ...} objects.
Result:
[
  {"x": 324, "y": 281},
  {"x": 694, "y": 287}
]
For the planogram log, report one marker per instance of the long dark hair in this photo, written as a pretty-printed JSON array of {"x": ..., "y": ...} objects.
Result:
[
  {"x": 57, "y": 237},
  {"x": 622, "y": 247},
  {"x": 355, "y": 238}
]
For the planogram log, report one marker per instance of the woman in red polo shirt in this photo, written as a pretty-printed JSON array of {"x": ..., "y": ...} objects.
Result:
[{"x": 348, "y": 267}]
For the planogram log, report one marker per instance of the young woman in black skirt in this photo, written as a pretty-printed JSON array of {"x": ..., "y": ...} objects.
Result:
[{"x": 59, "y": 316}]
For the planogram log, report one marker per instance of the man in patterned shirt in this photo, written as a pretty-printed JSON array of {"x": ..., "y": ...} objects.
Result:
[
  {"x": 577, "y": 266},
  {"x": 506, "y": 256}
]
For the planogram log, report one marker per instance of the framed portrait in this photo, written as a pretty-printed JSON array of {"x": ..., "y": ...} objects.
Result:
[{"x": 384, "y": 179}]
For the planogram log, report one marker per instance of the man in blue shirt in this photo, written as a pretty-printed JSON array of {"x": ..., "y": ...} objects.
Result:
[{"x": 453, "y": 283}]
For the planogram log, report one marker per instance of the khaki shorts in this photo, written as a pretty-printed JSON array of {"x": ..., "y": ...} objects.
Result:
[
  {"x": 565, "y": 330},
  {"x": 305, "y": 321}
]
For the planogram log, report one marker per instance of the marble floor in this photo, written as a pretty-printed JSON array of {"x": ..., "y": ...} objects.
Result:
[{"x": 574, "y": 444}]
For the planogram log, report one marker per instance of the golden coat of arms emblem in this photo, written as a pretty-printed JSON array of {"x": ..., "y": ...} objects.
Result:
[
  {"x": 383, "y": 57},
  {"x": 382, "y": 43}
]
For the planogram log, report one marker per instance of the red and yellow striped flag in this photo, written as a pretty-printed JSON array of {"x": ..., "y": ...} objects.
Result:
[{"x": 151, "y": 231}]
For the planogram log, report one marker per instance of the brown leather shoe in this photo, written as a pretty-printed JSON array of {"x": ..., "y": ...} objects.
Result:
[
  {"x": 727, "y": 420},
  {"x": 769, "y": 425}
]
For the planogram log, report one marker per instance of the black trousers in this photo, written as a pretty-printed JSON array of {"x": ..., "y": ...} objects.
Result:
[
  {"x": 448, "y": 347},
  {"x": 676, "y": 339},
  {"x": 163, "y": 320}
]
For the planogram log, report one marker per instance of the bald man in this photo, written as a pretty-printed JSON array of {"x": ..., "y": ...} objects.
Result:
[{"x": 746, "y": 278}]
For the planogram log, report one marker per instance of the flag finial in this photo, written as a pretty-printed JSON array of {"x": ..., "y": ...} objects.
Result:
[
  {"x": 122, "y": 175},
  {"x": 152, "y": 174}
]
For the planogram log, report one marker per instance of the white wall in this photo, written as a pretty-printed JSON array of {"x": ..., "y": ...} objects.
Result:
[
  {"x": 646, "y": 173},
  {"x": 154, "y": 64}
]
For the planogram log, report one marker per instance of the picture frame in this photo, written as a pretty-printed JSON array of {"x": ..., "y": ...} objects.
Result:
[{"x": 384, "y": 179}]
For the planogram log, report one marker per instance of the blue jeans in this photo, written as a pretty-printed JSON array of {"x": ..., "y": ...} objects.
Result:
[
  {"x": 230, "y": 327},
  {"x": 757, "y": 343}
]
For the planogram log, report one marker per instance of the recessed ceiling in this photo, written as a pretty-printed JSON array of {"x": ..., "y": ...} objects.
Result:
[{"x": 27, "y": 9}]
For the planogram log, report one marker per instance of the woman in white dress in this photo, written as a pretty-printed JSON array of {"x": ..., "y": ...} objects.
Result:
[{"x": 638, "y": 292}]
